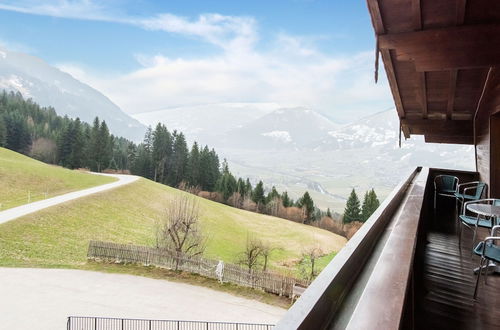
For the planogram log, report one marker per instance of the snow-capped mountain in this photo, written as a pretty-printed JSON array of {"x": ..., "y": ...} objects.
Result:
[
  {"x": 285, "y": 128},
  {"x": 48, "y": 86},
  {"x": 207, "y": 122}
]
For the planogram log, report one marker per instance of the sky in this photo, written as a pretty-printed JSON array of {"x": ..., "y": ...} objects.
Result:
[{"x": 151, "y": 55}]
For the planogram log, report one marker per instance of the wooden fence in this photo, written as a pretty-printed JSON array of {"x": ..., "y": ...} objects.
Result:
[{"x": 269, "y": 282}]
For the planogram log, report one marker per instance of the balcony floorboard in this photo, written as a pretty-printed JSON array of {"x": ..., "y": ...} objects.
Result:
[{"x": 446, "y": 299}]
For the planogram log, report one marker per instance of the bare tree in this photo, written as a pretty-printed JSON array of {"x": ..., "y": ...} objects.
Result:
[
  {"x": 179, "y": 231},
  {"x": 308, "y": 262},
  {"x": 253, "y": 251},
  {"x": 266, "y": 250}
]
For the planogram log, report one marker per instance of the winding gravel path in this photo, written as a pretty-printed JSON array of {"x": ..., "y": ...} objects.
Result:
[
  {"x": 22, "y": 210},
  {"x": 44, "y": 298}
]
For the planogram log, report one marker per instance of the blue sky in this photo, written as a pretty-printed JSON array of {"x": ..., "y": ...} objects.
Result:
[{"x": 147, "y": 55}]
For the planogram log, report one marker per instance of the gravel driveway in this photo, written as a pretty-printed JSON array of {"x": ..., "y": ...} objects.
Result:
[{"x": 44, "y": 298}]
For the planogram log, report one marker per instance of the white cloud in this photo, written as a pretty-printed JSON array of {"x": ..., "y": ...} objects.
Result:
[{"x": 291, "y": 71}]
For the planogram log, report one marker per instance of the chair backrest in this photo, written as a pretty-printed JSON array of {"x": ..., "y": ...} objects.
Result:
[
  {"x": 479, "y": 190},
  {"x": 446, "y": 182}
]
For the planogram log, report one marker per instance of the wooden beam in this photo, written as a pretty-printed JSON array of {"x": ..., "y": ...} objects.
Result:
[
  {"x": 458, "y": 47},
  {"x": 452, "y": 139},
  {"x": 377, "y": 22},
  {"x": 439, "y": 127},
  {"x": 422, "y": 92},
  {"x": 451, "y": 93},
  {"x": 417, "y": 14},
  {"x": 461, "y": 8}
]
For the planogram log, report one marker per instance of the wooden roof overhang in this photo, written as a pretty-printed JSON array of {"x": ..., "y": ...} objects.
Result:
[{"x": 437, "y": 55}]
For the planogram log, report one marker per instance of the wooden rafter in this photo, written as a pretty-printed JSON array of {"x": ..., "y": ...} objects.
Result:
[
  {"x": 461, "y": 7},
  {"x": 451, "y": 93},
  {"x": 417, "y": 14},
  {"x": 447, "y": 48},
  {"x": 423, "y": 93}
]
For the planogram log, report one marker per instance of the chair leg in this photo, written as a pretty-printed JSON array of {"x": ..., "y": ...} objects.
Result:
[
  {"x": 460, "y": 236},
  {"x": 478, "y": 276},
  {"x": 473, "y": 240}
]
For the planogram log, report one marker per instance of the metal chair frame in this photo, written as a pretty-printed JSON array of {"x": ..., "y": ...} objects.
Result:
[
  {"x": 467, "y": 187},
  {"x": 436, "y": 193},
  {"x": 490, "y": 239},
  {"x": 478, "y": 216}
]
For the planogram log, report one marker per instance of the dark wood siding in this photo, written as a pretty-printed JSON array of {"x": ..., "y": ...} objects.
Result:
[{"x": 490, "y": 104}]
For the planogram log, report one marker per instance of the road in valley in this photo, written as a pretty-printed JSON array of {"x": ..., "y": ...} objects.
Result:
[{"x": 22, "y": 210}]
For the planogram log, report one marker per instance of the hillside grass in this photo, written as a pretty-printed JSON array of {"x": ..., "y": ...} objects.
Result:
[
  {"x": 21, "y": 175},
  {"x": 59, "y": 236}
]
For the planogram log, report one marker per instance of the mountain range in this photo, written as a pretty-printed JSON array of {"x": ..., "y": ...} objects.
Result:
[
  {"x": 49, "y": 86},
  {"x": 292, "y": 148}
]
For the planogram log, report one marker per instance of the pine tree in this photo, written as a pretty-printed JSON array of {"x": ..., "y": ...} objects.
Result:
[
  {"x": 366, "y": 208},
  {"x": 179, "y": 162},
  {"x": 161, "y": 151},
  {"x": 328, "y": 213},
  {"x": 258, "y": 194},
  {"x": 307, "y": 204},
  {"x": 193, "y": 168},
  {"x": 3, "y": 132},
  {"x": 286, "y": 200},
  {"x": 352, "y": 211},
  {"x": 226, "y": 184},
  {"x": 248, "y": 187},
  {"x": 272, "y": 195}
]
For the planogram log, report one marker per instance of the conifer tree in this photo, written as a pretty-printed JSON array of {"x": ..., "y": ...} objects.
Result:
[
  {"x": 307, "y": 203},
  {"x": 286, "y": 200},
  {"x": 3, "y": 132},
  {"x": 366, "y": 207},
  {"x": 193, "y": 168},
  {"x": 352, "y": 211},
  {"x": 328, "y": 213},
  {"x": 161, "y": 151},
  {"x": 226, "y": 184},
  {"x": 258, "y": 194}
]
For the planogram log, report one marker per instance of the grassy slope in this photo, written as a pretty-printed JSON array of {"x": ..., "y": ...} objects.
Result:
[
  {"x": 20, "y": 174},
  {"x": 58, "y": 236}
]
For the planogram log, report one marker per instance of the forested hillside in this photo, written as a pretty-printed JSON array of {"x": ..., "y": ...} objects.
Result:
[{"x": 163, "y": 156}]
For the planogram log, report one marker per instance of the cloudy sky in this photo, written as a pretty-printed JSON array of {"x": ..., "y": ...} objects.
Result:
[{"x": 149, "y": 55}]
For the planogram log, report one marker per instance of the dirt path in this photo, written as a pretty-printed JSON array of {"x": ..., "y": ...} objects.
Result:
[
  {"x": 44, "y": 298},
  {"x": 19, "y": 211}
]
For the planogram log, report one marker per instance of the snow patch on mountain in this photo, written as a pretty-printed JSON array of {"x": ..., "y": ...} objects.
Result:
[
  {"x": 49, "y": 86},
  {"x": 282, "y": 136}
]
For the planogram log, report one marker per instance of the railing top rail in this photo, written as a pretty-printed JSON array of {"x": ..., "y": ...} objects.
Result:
[{"x": 319, "y": 303}]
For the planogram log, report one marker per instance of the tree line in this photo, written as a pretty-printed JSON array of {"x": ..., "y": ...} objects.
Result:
[{"x": 163, "y": 156}]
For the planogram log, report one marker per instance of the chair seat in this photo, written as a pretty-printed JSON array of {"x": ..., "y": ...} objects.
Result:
[
  {"x": 466, "y": 197},
  {"x": 471, "y": 221},
  {"x": 492, "y": 252},
  {"x": 447, "y": 191}
]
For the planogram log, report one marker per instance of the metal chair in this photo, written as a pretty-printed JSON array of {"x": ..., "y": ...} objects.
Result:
[
  {"x": 444, "y": 185},
  {"x": 462, "y": 195},
  {"x": 489, "y": 252},
  {"x": 473, "y": 222}
]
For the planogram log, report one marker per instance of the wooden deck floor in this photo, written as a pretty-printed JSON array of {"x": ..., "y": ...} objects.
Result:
[{"x": 445, "y": 300}]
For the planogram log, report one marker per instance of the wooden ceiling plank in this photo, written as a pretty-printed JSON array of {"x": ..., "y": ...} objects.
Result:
[
  {"x": 461, "y": 8},
  {"x": 439, "y": 127},
  {"x": 417, "y": 14},
  {"x": 422, "y": 93},
  {"x": 451, "y": 93},
  {"x": 461, "y": 47}
]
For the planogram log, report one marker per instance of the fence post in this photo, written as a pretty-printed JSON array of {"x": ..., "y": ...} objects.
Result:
[
  {"x": 95, "y": 323},
  {"x": 123, "y": 321},
  {"x": 68, "y": 323},
  {"x": 150, "y": 324}
]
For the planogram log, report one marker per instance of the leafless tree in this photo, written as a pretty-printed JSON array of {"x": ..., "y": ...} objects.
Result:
[
  {"x": 253, "y": 251},
  {"x": 308, "y": 262},
  {"x": 266, "y": 250},
  {"x": 179, "y": 231}
]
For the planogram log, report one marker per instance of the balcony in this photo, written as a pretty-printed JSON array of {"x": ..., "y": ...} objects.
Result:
[{"x": 403, "y": 269}]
